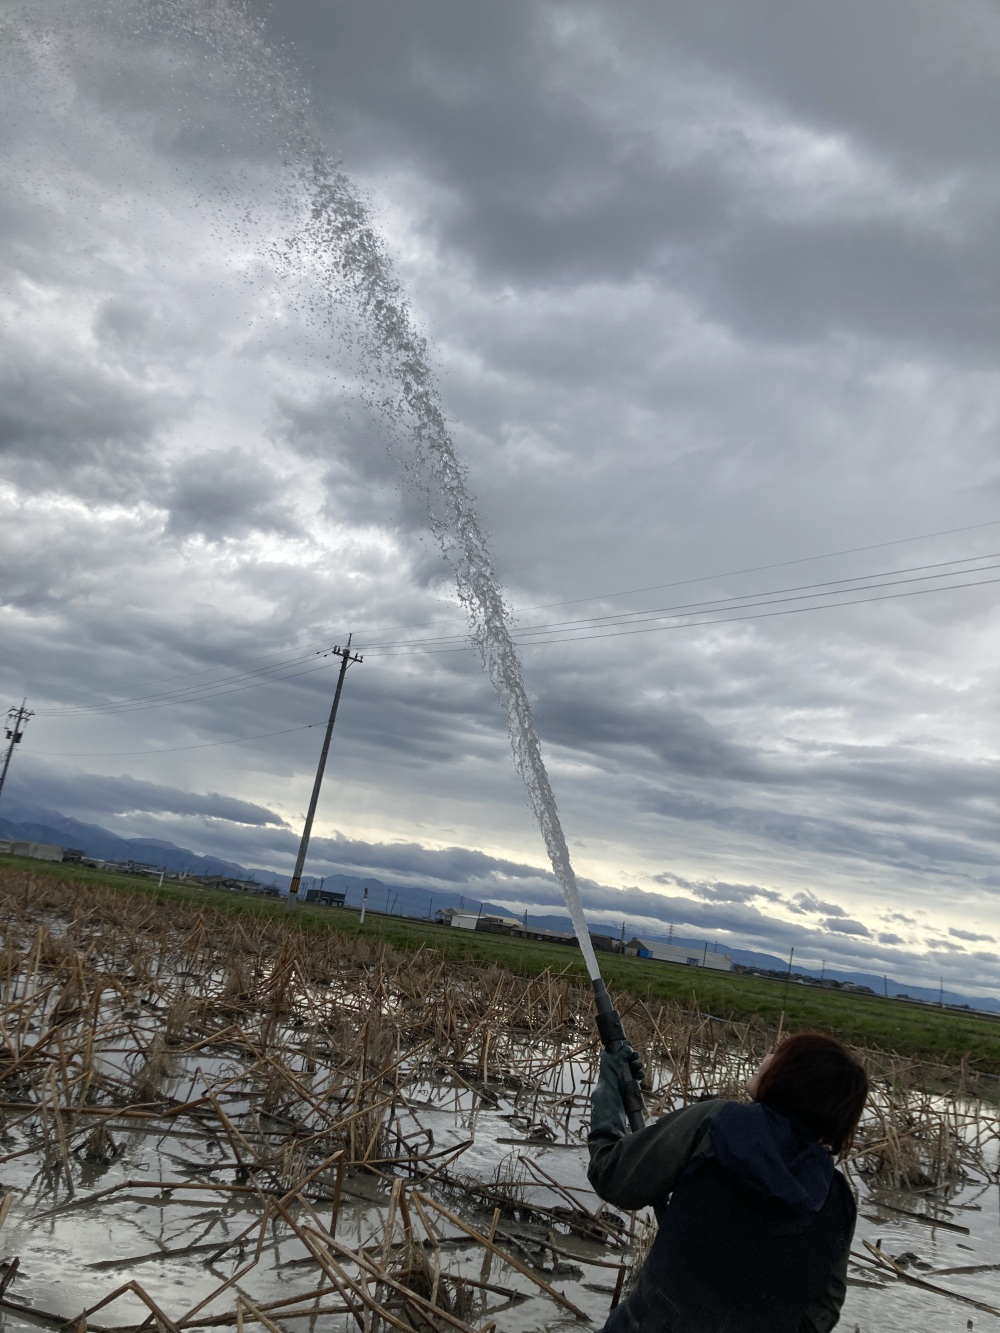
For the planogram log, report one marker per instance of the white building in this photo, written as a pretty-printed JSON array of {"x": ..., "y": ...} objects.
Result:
[
  {"x": 478, "y": 920},
  {"x": 38, "y": 851},
  {"x": 678, "y": 953}
]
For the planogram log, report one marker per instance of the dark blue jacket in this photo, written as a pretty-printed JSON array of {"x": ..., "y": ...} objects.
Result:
[{"x": 755, "y": 1222}]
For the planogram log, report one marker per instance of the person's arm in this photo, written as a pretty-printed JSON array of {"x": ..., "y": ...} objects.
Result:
[
  {"x": 633, "y": 1170},
  {"x": 824, "y": 1313}
]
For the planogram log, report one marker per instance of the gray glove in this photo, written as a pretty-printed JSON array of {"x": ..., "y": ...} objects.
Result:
[{"x": 607, "y": 1107}]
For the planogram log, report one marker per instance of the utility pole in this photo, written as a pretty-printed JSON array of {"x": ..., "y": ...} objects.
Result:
[
  {"x": 17, "y": 720},
  {"x": 788, "y": 977},
  {"x": 345, "y": 655}
]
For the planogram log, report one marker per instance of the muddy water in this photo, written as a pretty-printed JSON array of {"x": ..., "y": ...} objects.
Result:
[
  {"x": 218, "y": 1069},
  {"x": 74, "y": 1252}
]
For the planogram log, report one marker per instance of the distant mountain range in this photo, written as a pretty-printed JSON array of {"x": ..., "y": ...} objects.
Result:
[{"x": 34, "y": 824}]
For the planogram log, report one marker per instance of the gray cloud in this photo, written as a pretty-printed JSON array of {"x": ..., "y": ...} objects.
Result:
[
  {"x": 98, "y": 794},
  {"x": 970, "y": 935},
  {"x": 794, "y": 206},
  {"x": 707, "y": 292},
  {"x": 73, "y": 418},
  {"x": 226, "y": 495},
  {"x": 807, "y": 902},
  {"x": 840, "y": 926}
]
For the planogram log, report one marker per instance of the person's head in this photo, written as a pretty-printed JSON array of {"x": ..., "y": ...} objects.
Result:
[{"x": 816, "y": 1080}]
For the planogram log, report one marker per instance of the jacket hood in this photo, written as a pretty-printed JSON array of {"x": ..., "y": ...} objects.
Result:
[{"x": 772, "y": 1158}]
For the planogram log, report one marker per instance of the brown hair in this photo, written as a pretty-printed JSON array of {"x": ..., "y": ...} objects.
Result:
[{"x": 816, "y": 1080}]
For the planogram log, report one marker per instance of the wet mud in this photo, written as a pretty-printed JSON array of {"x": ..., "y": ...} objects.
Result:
[{"x": 211, "y": 1120}]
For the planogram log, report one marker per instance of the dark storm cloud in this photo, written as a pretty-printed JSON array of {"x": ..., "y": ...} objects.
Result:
[
  {"x": 216, "y": 496},
  {"x": 96, "y": 794},
  {"x": 682, "y": 739},
  {"x": 732, "y": 893},
  {"x": 807, "y": 902},
  {"x": 467, "y": 90},
  {"x": 557, "y": 153},
  {"x": 841, "y": 926},
  {"x": 447, "y": 866},
  {"x": 362, "y": 482},
  {"x": 870, "y": 790},
  {"x": 885, "y": 836},
  {"x": 819, "y": 281},
  {"x": 66, "y": 415},
  {"x": 855, "y": 67}
]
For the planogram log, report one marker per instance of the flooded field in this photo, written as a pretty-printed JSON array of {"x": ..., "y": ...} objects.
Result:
[{"x": 211, "y": 1120}]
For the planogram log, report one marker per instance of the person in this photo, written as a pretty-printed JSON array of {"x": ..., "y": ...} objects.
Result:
[{"x": 754, "y": 1221}]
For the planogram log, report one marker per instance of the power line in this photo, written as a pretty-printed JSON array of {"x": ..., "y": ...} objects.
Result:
[
  {"x": 195, "y": 691},
  {"x": 723, "y": 574},
  {"x": 305, "y": 650},
  {"x": 695, "y": 624},
  {"x": 132, "y": 706},
  {"x": 770, "y": 597},
  {"x": 538, "y": 635},
  {"x": 750, "y": 600},
  {"x": 534, "y": 635},
  {"x": 778, "y": 564},
  {"x": 173, "y": 749}
]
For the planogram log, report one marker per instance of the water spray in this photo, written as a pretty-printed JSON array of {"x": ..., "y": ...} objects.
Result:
[{"x": 339, "y": 232}]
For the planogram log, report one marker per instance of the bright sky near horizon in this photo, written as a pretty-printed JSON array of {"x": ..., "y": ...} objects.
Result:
[{"x": 712, "y": 293}]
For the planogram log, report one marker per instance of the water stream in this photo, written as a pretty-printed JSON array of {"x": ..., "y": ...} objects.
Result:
[{"x": 340, "y": 228}]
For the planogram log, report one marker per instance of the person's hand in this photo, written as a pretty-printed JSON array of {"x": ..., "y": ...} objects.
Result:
[
  {"x": 621, "y": 1066},
  {"x": 607, "y": 1100}
]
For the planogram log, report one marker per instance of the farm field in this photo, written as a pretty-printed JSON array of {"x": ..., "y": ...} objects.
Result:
[
  {"x": 952, "y": 1037},
  {"x": 215, "y": 1113}
]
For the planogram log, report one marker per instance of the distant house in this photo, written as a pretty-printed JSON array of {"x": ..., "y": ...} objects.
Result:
[
  {"x": 674, "y": 953},
  {"x": 497, "y": 924},
  {"x": 325, "y": 898},
  {"x": 605, "y": 943},
  {"x": 452, "y": 916},
  {"x": 226, "y": 882},
  {"x": 548, "y": 936},
  {"x": 492, "y": 922}
]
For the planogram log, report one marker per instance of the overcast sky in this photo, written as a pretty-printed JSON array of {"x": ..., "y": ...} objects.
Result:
[{"x": 711, "y": 293}]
